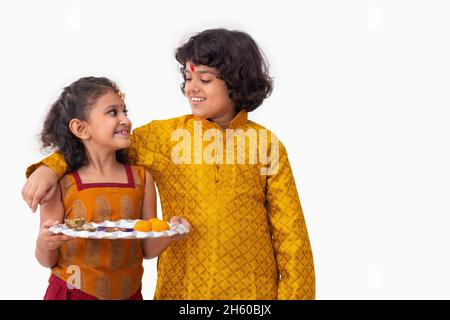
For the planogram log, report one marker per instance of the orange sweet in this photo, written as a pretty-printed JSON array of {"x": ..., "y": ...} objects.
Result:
[
  {"x": 143, "y": 226},
  {"x": 158, "y": 225}
]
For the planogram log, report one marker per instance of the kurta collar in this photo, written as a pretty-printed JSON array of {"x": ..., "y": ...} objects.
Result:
[{"x": 238, "y": 121}]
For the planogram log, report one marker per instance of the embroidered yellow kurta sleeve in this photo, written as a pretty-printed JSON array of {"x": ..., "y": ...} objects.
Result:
[
  {"x": 143, "y": 146},
  {"x": 55, "y": 161},
  {"x": 290, "y": 236}
]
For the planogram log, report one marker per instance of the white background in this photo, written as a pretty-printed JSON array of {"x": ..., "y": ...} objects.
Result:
[{"x": 361, "y": 102}]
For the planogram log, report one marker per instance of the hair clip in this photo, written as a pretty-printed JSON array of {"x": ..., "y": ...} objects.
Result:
[{"x": 120, "y": 93}]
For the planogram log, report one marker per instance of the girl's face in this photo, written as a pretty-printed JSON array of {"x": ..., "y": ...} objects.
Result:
[
  {"x": 207, "y": 95},
  {"x": 108, "y": 125}
]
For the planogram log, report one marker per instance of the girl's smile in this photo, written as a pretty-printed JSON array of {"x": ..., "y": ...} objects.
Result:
[{"x": 123, "y": 131}]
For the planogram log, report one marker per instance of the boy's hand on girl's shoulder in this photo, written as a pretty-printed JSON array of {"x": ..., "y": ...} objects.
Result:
[
  {"x": 39, "y": 187},
  {"x": 49, "y": 241},
  {"x": 179, "y": 220}
]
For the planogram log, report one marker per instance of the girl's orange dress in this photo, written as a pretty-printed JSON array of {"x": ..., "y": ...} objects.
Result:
[{"x": 105, "y": 269}]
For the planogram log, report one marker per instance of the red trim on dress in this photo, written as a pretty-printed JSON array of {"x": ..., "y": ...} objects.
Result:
[{"x": 129, "y": 184}]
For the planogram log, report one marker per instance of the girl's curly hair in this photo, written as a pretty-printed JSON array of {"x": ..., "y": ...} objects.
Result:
[
  {"x": 74, "y": 103},
  {"x": 239, "y": 60}
]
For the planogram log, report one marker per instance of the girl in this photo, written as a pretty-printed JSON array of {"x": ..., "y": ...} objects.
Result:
[
  {"x": 250, "y": 239},
  {"x": 89, "y": 126}
]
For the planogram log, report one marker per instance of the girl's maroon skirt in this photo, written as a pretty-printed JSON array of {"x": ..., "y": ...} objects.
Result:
[{"x": 58, "y": 290}]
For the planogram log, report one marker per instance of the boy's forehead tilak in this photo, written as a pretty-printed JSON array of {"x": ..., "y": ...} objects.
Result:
[{"x": 192, "y": 68}]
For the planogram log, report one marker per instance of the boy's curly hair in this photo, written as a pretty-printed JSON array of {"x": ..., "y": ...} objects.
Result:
[
  {"x": 74, "y": 103},
  {"x": 239, "y": 60}
]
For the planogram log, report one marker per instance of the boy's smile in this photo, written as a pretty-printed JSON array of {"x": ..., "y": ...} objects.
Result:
[{"x": 197, "y": 100}]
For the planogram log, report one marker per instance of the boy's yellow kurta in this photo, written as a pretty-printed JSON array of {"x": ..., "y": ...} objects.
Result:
[{"x": 248, "y": 239}]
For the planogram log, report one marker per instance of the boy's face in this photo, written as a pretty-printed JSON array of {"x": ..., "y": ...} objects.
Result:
[{"x": 207, "y": 95}]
